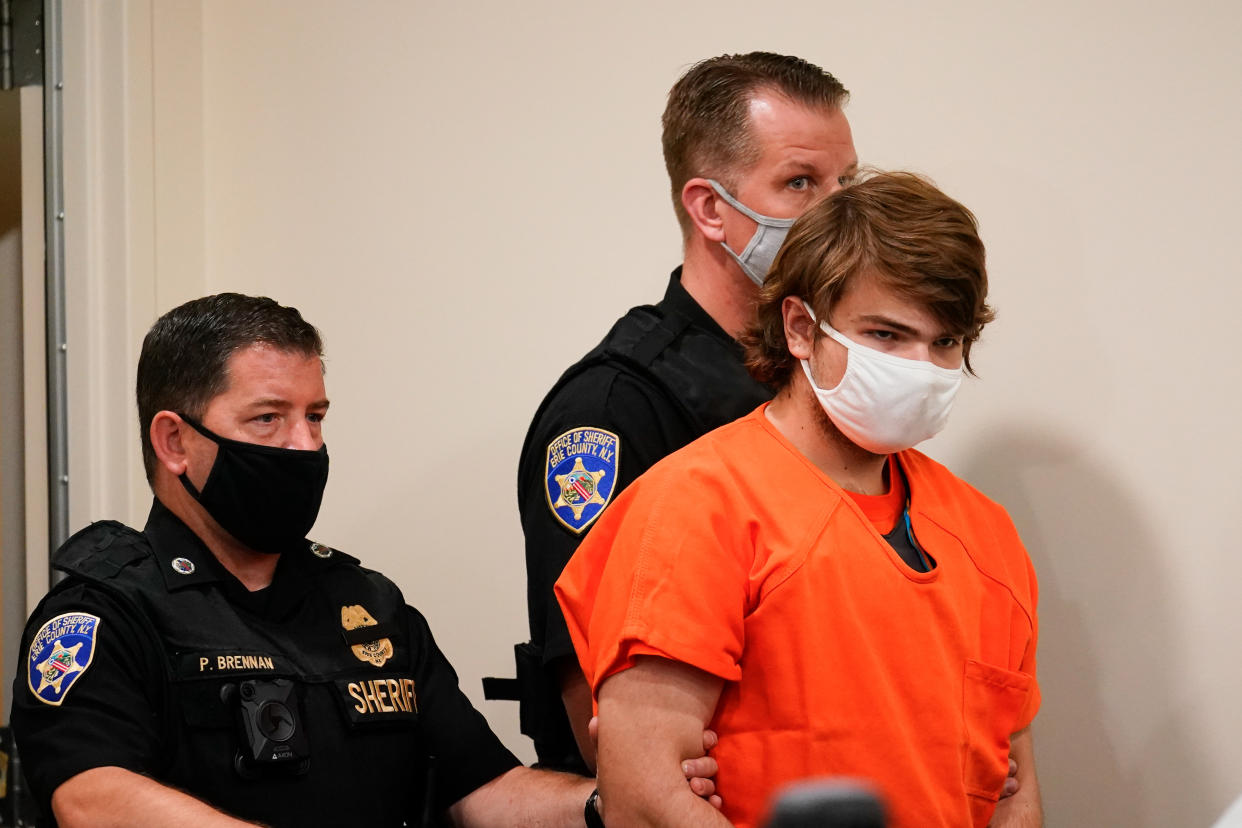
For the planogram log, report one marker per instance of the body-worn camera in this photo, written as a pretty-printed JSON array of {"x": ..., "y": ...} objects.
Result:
[{"x": 271, "y": 740}]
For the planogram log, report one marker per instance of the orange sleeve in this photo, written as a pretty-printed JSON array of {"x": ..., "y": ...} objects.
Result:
[{"x": 663, "y": 572}]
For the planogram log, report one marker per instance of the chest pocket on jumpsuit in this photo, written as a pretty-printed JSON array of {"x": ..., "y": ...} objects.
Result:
[{"x": 992, "y": 701}]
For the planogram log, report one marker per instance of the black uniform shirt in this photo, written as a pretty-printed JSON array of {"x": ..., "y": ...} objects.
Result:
[
  {"x": 127, "y": 708},
  {"x": 664, "y": 376}
]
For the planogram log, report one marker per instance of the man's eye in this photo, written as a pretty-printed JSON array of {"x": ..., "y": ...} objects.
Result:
[
  {"x": 315, "y": 418},
  {"x": 948, "y": 342},
  {"x": 802, "y": 182},
  {"x": 881, "y": 335},
  {"x": 266, "y": 418}
]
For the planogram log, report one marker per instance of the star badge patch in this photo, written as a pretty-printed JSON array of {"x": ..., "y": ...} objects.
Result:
[
  {"x": 60, "y": 652},
  {"x": 580, "y": 474}
]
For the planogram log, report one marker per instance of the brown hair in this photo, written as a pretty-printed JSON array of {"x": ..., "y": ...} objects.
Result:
[
  {"x": 707, "y": 119},
  {"x": 895, "y": 226}
]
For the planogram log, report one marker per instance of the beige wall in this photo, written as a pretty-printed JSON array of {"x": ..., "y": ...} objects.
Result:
[{"x": 464, "y": 195}]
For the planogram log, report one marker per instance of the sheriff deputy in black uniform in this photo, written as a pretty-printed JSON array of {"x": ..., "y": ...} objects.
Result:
[
  {"x": 218, "y": 668},
  {"x": 750, "y": 142}
]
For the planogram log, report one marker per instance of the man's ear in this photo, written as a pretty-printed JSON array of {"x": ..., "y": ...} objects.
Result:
[
  {"x": 701, "y": 203},
  {"x": 800, "y": 328},
  {"x": 167, "y": 430}
]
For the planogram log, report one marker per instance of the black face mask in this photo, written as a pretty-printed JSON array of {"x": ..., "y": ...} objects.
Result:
[{"x": 266, "y": 497}]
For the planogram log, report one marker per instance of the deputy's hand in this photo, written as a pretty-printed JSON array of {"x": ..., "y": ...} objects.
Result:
[{"x": 699, "y": 772}]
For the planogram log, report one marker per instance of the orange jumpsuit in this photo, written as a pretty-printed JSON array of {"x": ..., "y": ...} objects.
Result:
[{"x": 736, "y": 555}]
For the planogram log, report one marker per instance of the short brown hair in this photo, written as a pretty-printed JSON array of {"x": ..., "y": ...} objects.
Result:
[
  {"x": 895, "y": 226},
  {"x": 707, "y": 119}
]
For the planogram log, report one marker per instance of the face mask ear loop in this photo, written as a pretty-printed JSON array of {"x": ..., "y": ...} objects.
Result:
[
  {"x": 189, "y": 487},
  {"x": 806, "y": 363},
  {"x": 199, "y": 427},
  {"x": 829, "y": 331},
  {"x": 757, "y": 218},
  {"x": 210, "y": 435},
  {"x": 806, "y": 306},
  {"x": 747, "y": 269}
]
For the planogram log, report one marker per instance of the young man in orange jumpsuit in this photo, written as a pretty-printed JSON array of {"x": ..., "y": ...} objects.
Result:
[{"x": 829, "y": 600}]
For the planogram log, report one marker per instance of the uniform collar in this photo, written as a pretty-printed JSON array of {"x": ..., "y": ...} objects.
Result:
[
  {"x": 678, "y": 300},
  {"x": 183, "y": 558},
  {"x": 185, "y": 561}
]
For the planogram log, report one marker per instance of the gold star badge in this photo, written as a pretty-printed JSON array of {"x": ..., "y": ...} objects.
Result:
[
  {"x": 579, "y": 488},
  {"x": 60, "y": 665},
  {"x": 581, "y": 471}
]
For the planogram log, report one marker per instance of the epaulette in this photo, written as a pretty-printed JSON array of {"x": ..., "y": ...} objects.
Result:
[{"x": 101, "y": 550}]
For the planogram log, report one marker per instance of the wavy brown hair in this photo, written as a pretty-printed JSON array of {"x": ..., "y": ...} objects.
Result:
[{"x": 895, "y": 226}]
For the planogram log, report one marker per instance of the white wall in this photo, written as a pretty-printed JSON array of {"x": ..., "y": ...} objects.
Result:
[{"x": 464, "y": 195}]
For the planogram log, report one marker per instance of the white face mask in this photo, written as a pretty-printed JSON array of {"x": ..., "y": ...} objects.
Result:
[
  {"x": 886, "y": 403},
  {"x": 756, "y": 260}
]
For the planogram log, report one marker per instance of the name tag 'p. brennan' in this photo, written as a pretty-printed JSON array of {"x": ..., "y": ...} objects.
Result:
[
  {"x": 234, "y": 661},
  {"x": 380, "y": 699}
]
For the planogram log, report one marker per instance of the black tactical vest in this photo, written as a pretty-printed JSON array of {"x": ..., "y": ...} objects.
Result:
[
  {"x": 703, "y": 378},
  {"x": 310, "y": 719}
]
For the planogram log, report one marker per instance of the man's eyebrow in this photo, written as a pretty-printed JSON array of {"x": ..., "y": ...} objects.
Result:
[
  {"x": 792, "y": 166},
  {"x": 797, "y": 165},
  {"x": 270, "y": 402},
  {"x": 280, "y": 402},
  {"x": 901, "y": 327},
  {"x": 888, "y": 322}
]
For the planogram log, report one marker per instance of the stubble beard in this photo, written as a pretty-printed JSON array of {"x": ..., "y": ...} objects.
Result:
[{"x": 847, "y": 448}]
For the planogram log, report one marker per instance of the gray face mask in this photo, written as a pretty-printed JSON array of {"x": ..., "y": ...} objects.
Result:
[{"x": 756, "y": 260}]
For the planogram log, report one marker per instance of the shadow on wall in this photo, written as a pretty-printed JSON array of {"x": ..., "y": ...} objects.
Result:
[{"x": 1106, "y": 630}]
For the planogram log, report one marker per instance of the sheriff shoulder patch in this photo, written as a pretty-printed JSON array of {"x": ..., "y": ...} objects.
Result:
[
  {"x": 60, "y": 653},
  {"x": 580, "y": 474}
]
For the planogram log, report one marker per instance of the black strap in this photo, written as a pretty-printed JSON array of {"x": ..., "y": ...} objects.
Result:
[
  {"x": 365, "y": 635},
  {"x": 502, "y": 689}
]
